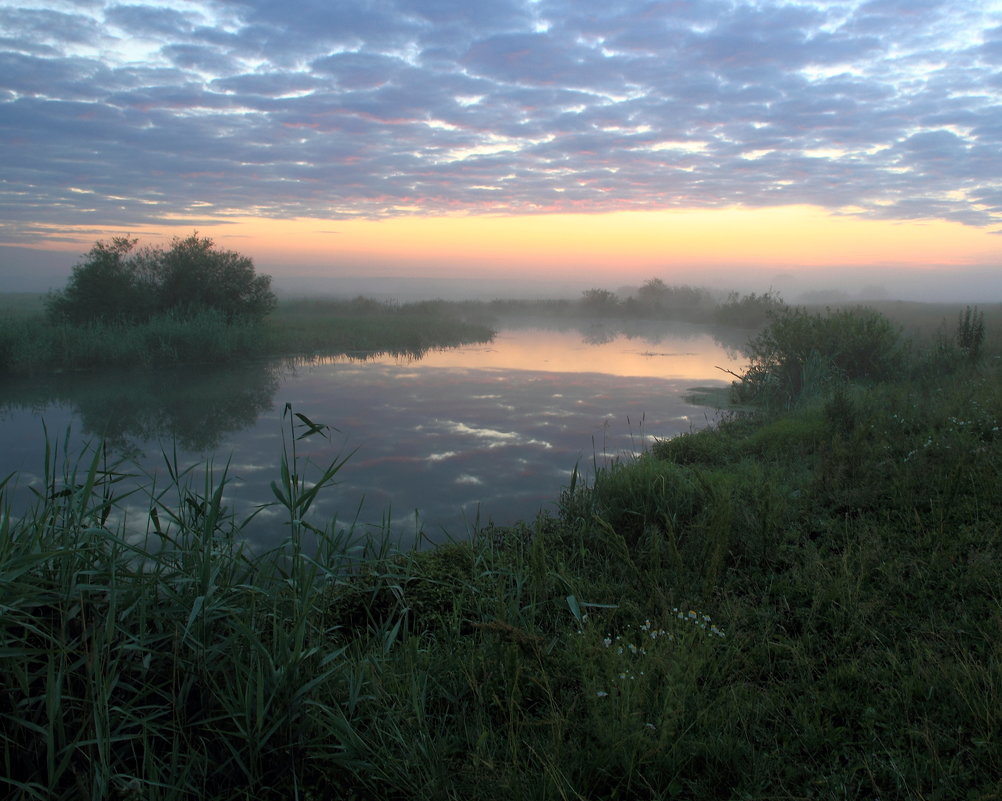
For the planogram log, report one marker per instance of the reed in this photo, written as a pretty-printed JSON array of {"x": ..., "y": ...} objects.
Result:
[
  {"x": 799, "y": 604},
  {"x": 168, "y": 662},
  {"x": 29, "y": 343},
  {"x": 32, "y": 344}
]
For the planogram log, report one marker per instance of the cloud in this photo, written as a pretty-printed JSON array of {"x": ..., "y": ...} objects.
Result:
[
  {"x": 128, "y": 114},
  {"x": 151, "y": 21},
  {"x": 50, "y": 26},
  {"x": 200, "y": 57}
]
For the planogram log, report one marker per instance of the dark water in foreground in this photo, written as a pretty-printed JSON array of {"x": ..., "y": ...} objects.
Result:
[{"x": 477, "y": 434}]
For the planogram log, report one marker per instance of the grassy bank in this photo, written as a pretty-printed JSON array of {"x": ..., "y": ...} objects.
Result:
[
  {"x": 362, "y": 326},
  {"x": 803, "y": 604},
  {"x": 30, "y": 343}
]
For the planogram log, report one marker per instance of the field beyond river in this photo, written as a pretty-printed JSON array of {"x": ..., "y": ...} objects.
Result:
[{"x": 799, "y": 600}]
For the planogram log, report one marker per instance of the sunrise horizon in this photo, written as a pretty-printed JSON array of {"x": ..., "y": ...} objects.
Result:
[
  {"x": 723, "y": 143},
  {"x": 795, "y": 249}
]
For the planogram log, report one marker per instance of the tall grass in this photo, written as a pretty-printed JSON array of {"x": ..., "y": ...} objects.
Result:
[
  {"x": 803, "y": 604},
  {"x": 363, "y": 326},
  {"x": 33, "y": 344},
  {"x": 30, "y": 343},
  {"x": 172, "y": 663}
]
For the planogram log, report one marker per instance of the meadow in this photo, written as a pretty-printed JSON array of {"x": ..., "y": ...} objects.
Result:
[{"x": 800, "y": 602}]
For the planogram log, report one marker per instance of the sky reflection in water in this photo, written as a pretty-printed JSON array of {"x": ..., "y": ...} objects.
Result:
[{"x": 478, "y": 434}]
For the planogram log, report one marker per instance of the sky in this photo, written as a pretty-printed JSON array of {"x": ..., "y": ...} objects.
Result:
[{"x": 604, "y": 143}]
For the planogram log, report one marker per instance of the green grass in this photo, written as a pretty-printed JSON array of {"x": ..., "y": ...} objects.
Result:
[
  {"x": 21, "y": 304},
  {"x": 804, "y": 604},
  {"x": 362, "y": 327},
  {"x": 32, "y": 344}
]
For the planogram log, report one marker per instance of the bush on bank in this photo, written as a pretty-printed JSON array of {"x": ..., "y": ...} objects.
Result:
[
  {"x": 801, "y": 354},
  {"x": 116, "y": 282}
]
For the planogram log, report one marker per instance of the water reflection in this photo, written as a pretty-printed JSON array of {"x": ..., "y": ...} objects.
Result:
[
  {"x": 487, "y": 432},
  {"x": 641, "y": 349},
  {"x": 651, "y": 332},
  {"x": 196, "y": 407}
]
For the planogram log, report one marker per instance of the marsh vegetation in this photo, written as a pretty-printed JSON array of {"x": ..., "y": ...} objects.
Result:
[
  {"x": 31, "y": 343},
  {"x": 193, "y": 304},
  {"x": 802, "y": 601}
]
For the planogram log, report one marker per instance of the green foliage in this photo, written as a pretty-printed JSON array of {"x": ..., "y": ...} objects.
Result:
[
  {"x": 820, "y": 584},
  {"x": 107, "y": 286},
  {"x": 971, "y": 333},
  {"x": 360, "y": 327},
  {"x": 203, "y": 336},
  {"x": 117, "y": 283},
  {"x": 175, "y": 665},
  {"x": 800, "y": 354}
]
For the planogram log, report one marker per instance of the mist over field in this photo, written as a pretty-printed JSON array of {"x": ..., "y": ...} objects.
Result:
[{"x": 36, "y": 270}]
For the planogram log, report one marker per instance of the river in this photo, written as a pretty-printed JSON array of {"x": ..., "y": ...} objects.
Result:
[{"x": 438, "y": 444}]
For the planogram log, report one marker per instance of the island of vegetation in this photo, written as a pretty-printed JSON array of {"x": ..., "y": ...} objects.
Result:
[
  {"x": 802, "y": 601},
  {"x": 194, "y": 303}
]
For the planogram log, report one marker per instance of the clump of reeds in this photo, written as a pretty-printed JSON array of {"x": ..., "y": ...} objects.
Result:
[
  {"x": 35, "y": 344},
  {"x": 169, "y": 662}
]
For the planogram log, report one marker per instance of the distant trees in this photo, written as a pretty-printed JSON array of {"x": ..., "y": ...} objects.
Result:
[
  {"x": 599, "y": 301},
  {"x": 681, "y": 302},
  {"x": 656, "y": 300},
  {"x": 749, "y": 311},
  {"x": 116, "y": 282}
]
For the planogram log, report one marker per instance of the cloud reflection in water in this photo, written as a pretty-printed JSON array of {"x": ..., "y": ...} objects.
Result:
[{"x": 437, "y": 444}]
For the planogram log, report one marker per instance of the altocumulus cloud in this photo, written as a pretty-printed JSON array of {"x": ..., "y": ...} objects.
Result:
[{"x": 125, "y": 114}]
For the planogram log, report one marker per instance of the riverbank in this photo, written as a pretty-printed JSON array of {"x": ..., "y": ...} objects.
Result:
[
  {"x": 802, "y": 603},
  {"x": 29, "y": 343}
]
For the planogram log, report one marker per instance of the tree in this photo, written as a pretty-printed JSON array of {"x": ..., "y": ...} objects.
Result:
[
  {"x": 116, "y": 282},
  {"x": 599, "y": 300},
  {"x": 682, "y": 302},
  {"x": 104, "y": 286},
  {"x": 653, "y": 293}
]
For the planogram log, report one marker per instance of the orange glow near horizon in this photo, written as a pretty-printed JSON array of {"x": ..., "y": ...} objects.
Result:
[
  {"x": 624, "y": 244},
  {"x": 692, "y": 357}
]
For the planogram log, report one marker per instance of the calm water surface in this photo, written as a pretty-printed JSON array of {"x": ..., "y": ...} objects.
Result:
[{"x": 460, "y": 436}]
